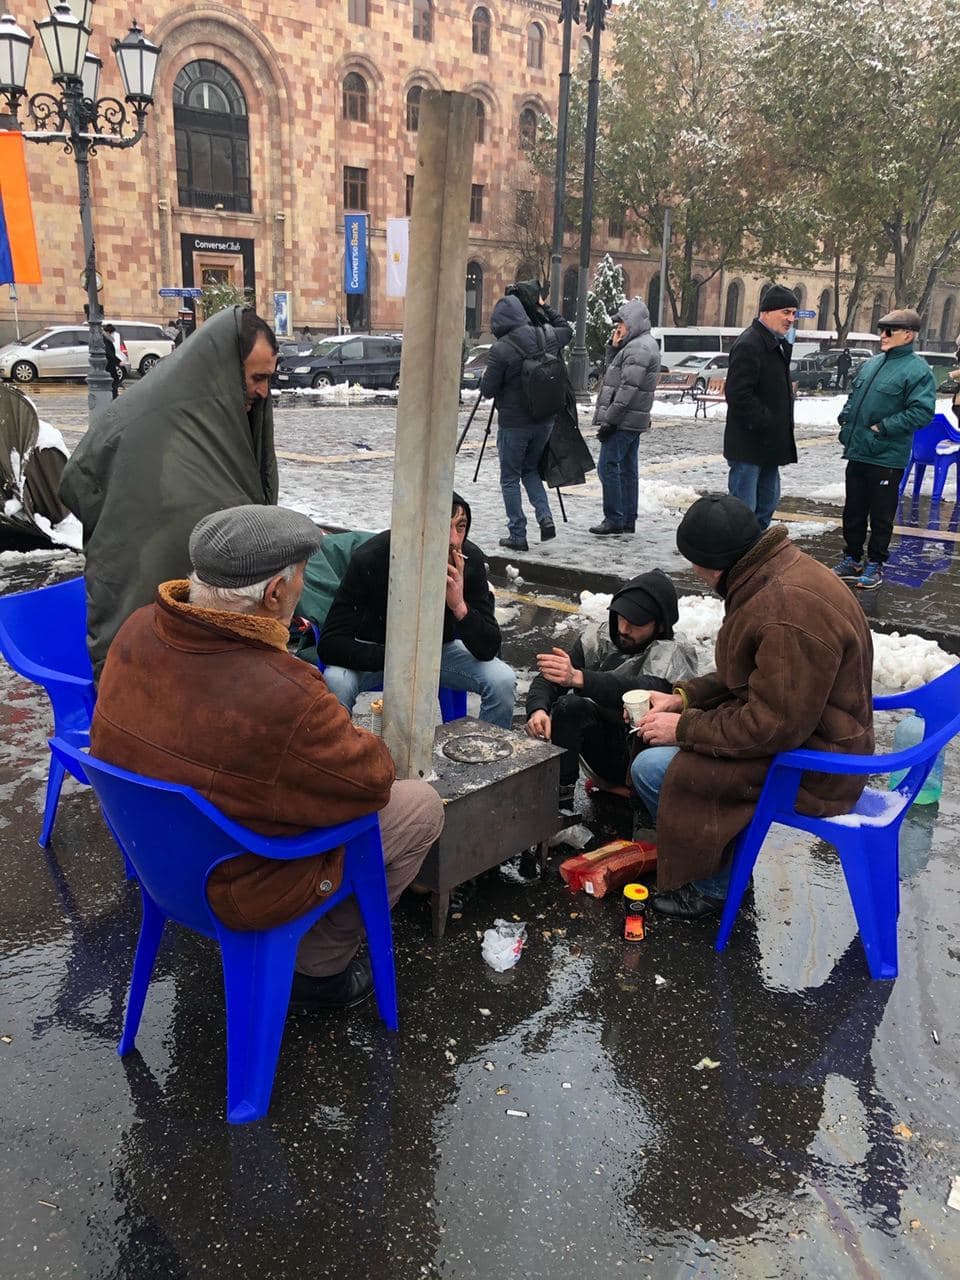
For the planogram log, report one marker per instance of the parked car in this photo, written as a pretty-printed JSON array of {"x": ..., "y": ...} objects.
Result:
[
  {"x": 704, "y": 366},
  {"x": 58, "y": 351},
  {"x": 941, "y": 362},
  {"x": 356, "y": 359},
  {"x": 810, "y": 375},
  {"x": 146, "y": 343}
]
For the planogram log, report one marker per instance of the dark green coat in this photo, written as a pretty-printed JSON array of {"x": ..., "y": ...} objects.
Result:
[
  {"x": 894, "y": 391},
  {"x": 175, "y": 447}
]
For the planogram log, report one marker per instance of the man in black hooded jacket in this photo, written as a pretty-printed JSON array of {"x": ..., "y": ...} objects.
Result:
[
  {"x": 576, "y": 700},
  {"x": 355, "y": 631}
]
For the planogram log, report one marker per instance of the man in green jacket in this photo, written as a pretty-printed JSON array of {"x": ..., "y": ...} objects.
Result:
[{"x": 892, "y": 396}]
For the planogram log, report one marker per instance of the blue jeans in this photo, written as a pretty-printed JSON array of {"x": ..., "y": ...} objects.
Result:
[
  {"x": 758, "y": 487},
  {"x": 647, "y": 773},
  {"x": 459, "y": 669},
  {"x": 520, "y": 450},
  {"x": 617, "y": 469}
]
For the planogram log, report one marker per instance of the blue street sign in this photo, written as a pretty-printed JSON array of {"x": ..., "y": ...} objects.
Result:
[
  {"x": 806, "y": 315},
  {"x": 180, "y": 293}
]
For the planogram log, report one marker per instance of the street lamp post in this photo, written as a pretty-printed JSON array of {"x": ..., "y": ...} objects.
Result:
[
  {"x": 569, "y": 12},
  {"x": 81, "y": 122},
  {"x": 596, "y": 13}
]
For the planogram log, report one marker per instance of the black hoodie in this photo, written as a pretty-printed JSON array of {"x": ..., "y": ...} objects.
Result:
[
  {"x": 608, "y": 672},
  {"x": 355, "y": 630}
]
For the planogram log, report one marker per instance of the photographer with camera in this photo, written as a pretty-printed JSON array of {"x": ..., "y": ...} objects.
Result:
[{"x": 527, "y": 379}]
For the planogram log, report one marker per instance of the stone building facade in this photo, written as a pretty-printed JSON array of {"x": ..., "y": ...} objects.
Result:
[{"x": 270, "y": 123}]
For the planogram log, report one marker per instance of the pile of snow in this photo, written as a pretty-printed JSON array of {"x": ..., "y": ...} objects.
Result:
[
  {"x": 809, "y": 528},
  {"x": 830, "y": 493},
  {"x": 906, "y": 662},
  {"x": 657, "y": 496},
  {"x": 344, "y": 393},
  {"x": 594, "y": 606},
  {"x": 700, "y": 618}
]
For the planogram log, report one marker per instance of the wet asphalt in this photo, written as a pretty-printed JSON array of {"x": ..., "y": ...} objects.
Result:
[{"x": 822, "y": 1143}]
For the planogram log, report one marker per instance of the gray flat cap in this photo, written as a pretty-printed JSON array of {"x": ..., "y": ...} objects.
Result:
[
  {"x": 902, "y": 318},
  {"x": 243, "y": 545}
]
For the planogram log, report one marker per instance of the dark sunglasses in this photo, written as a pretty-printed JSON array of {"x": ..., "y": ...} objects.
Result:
[{"x": 888, "y": 330}]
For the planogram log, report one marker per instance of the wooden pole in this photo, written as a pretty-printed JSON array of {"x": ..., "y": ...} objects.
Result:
[{"x": 427, "y": 426}]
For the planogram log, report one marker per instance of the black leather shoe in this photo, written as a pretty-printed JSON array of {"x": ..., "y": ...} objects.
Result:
[
  {"x": 548, "y": 530},
  {"x": 603, "y": 528},
  {"x": 338, "y": 991},
  {"x": 686, "y": 903},
  {"x": 515, "y": 544},
  {"x": 630, "y": 527}
]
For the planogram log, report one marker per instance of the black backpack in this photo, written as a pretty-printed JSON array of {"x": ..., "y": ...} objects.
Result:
[{"x": 543, "y": 378}]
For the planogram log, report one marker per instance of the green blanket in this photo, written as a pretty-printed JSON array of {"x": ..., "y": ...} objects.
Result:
[
  {"x": 321, "y": 579},
  {"x": 175, "y": 447}
]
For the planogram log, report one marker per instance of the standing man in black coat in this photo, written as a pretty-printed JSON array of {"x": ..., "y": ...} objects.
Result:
[
  {"x": 758, "y": 438},
  {"x": 521, "y": 322}
]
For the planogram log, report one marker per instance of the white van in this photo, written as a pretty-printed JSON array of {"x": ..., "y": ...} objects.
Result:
[{"x": 706, "y": 340}]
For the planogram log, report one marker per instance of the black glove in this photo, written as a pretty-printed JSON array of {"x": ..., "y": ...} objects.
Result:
[{"x": 606, "y": 431}]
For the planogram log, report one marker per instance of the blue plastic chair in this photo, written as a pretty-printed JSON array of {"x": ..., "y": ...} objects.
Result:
[
  {"x": 924, "y": 454},
  {"x": 453, "y": 702},
  {"x": 43, "y": 636},
  {"x": 867, "y": 839},
  {"x": 174, "y": 839}
]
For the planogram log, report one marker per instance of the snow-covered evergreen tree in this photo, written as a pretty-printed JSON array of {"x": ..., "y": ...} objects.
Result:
[{"x": 603, "y": 301}]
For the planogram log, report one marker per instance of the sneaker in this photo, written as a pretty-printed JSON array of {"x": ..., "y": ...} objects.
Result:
[
  {"x": 871, "y": 578},
  {"x": 548, "y": 530},
  {"x": 523, "y": 868},
  {"x": 848, "y": 569},
  {"x": 515, "y": 544},
  {"x": 604, "y": 528},
  {"x": 337, "y": 991}
]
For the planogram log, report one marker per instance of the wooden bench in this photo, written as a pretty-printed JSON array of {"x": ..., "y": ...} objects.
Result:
[
  {"x": 679, "y": 384},
  {"x": 711, "y": 394}
]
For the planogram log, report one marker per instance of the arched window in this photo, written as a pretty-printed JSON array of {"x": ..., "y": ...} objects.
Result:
[
  {"x": 946, "y": 323},
  {"x": 586, "y": 49},
  {"x": 414, "y": 94},
  {"x": 355, "y": 98},
  {"x": 422, "y": 20},
  {"x": 732, "y": 311},
  {"x": 877, "y": 312},
  {"x": 571, "y": 281},
  {"x": 653, "y": 297},
  {"x": 473, "y": 299},
  {"x": 626, "y": 283},
  {"x": 535, "y": 41},
  {"x": 481, "y": 31},
  {"x": 481, "y": 120},
  {"x": 824, "y": 309},
  {"x": 694, "y": 297},
  {"x": 528, "y": 129},
  {"x": 801, "y": 293},
  {"x": 212, "y": 138},
  {"x": 764, "y": 290}
]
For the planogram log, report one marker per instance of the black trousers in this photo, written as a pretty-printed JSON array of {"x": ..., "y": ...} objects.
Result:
[
  {"x": 579, "y": 725},
  {"x": 872, "y": 495}
]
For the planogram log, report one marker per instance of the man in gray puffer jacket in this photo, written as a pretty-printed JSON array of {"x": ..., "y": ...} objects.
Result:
[{"x": 623, "y": 412}]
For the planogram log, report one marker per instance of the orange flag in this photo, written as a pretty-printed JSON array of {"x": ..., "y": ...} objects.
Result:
[{"x": 19, "y": 261}]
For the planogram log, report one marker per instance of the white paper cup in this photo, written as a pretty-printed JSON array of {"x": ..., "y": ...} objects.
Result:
[{"x": 636, "y": 703}]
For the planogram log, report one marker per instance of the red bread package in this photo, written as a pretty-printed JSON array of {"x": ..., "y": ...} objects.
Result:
[{"x": 610, "y": 867}]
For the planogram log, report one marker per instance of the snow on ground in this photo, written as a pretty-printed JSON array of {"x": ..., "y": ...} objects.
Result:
[
  {"x": 830, "y": 493},
  {"x": 899, "y": 662},
  {"x": 809, "y": 528}
]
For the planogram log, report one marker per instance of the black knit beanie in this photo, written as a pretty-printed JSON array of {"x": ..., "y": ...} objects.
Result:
[
  {"x": 777, "y": 298},
  {"x": 717, "y": 531}
]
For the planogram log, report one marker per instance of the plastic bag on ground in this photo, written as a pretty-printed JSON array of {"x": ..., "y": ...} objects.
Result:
[{"x": 503, "y": 943}]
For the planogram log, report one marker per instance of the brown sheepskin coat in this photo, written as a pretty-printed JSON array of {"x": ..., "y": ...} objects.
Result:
[
  {"x": 794, "y": 668},
  {"x": 212, "y": 700}
]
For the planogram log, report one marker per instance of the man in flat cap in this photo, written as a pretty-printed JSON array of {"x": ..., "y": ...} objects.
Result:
[
  {"x": 198, "y": 688},
  {"x": 794, "y": 666},
  {"x": 892, "y": 396},
  {"x": 576, "y": 700},
  {"x": 758, "y": 436}
]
